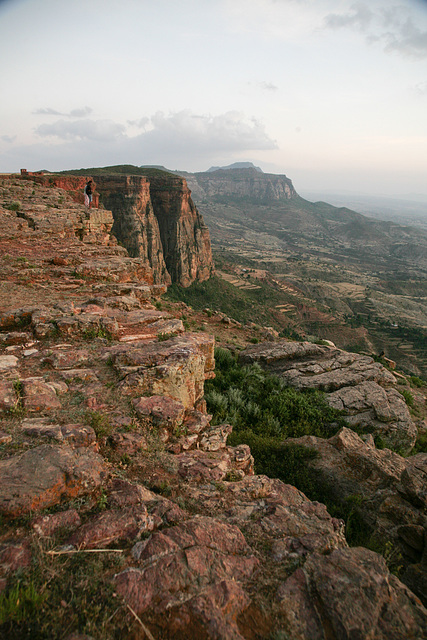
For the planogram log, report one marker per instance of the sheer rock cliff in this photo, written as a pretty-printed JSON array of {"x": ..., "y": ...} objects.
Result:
[{"x": 155, "y": 219}]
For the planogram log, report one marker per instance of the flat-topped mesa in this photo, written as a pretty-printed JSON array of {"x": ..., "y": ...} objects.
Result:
[
  {"x": 245, "y": 183},
  {"x": 156, "y": 219}
]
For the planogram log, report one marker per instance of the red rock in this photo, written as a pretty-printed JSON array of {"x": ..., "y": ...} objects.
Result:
[
  {"x": 188, "y": 558},
  {"x": 177, "y": 367},
  {"x": 8, "y": 396},
  {"x": 113, "y": 525},
  {"x": 201, "y": 466},
  {"x": 60, "y": 261},
  {"x": 127, "y": 442},
  {"x": 40, "y": 428},
  {"x": 62, "y": 359},
  {"x": 350, "y": 593},
  {"x": 38, "y": 396},
  {"x": 40, "y": 477},
  {"x": 123, "y": 493},
  {"x": 79, "y": 435},
  {"x": 51, "y": 523},
  {"x": 5, "y": 438},
  {"x": 14, "y": 555},
  {"x": 144, "y": 223},
  {"x": 161, "y": 410},
  {"x": 213, "y": 612}
]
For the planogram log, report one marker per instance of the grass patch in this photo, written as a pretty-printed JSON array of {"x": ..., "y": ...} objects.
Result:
[
  {"x": 13, "y": 206},
  {"x": 64, "y": 594},
  {"x": 99, "y": 422},
  {"x": 97, "y": 332}
]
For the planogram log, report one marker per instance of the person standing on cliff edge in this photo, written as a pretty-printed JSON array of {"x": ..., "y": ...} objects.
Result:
[{"x": 88, "y": 193}]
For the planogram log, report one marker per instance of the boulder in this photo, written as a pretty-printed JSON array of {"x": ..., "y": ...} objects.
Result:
[
  {"x": 37, "y": 395},
  {"x": 188, "y": 561},
  {"x": 52, "y": 523},
  {"x": 42, "y": 476},
  {"x": 176, "y": 368},
  {"x": 349, "y": 594},
  {"x": 107, "y": 528}
]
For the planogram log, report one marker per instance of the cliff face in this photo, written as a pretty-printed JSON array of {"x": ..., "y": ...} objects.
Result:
[
  {"x": 244, "y": 183},
  {"x": 155, "y": 219},
  {"x": 135, "y": 224},
  {"x": 184, "y": 235}
]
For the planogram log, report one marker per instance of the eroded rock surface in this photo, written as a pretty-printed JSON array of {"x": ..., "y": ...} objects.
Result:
[
  {"x": 391, "y": 490},
  {"x": 42, "y": 476}
]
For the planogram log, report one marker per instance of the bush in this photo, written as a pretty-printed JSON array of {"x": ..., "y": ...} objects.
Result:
[
  {"x": 14, "y": 206},
  {"x": 417, "y": 382},
  {"x": 409, "y": 398},
  {"x": 252, "y": 399}
]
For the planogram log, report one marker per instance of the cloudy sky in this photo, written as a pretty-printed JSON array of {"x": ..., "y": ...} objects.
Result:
[{"x": 333, "y": 93}]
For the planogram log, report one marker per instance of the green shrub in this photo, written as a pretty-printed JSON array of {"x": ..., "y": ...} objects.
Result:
[
  {"x": 417, "y": 382},
  {"x": 14, "y": 206},
  {"x": 250, "y": 398},
  {"x": 409, "y": 398},
  {"x": 162, "y": 337},
  {"x": 20, "y": 603}
]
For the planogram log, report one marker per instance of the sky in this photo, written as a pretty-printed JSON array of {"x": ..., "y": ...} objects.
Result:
[{"x": 332, "y": 93}]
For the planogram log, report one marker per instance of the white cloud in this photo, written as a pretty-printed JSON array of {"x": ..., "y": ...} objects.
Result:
[
  {"x": 140, "y": 124},
  {"x": 392, "y": 26},
  {"x": 98, "y": 130},
  {"x": 9, "y": 139},
  {"x": 230, "y": 131},
  {"x": 74, "y": 113},
  {"x": 80, "y": 113},
  {"x": 265, "y": 86},
  {"x": 421, "y": 88}
]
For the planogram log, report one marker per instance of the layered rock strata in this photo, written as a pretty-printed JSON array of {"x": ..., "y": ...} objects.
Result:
[
  {"x": 242, "y": 183},
  {"x": 155, "y": 219}
]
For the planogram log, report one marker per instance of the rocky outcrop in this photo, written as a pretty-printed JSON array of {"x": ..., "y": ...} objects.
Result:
[
  {"x": 356, "y": 385},
  {"x": 155, "y": 219},
  {"x": 43, "y": 476},
  {"x": 135, "y": 224},
  {"x": 388, "y": 491}
]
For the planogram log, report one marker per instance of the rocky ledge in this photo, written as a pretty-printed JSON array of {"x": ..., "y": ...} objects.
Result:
[{"x": 125, "y": 514}]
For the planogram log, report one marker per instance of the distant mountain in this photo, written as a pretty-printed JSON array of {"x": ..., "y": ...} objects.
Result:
[
  {"x": 241, "y": 202},
  {"x": 237, "y": 165}
]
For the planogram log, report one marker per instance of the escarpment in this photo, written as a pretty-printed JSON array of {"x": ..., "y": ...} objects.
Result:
[
  {"x": 156, "y": 219},
  {"x": 135, "y": 224},
  {"x": 243, "y": 183}
]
